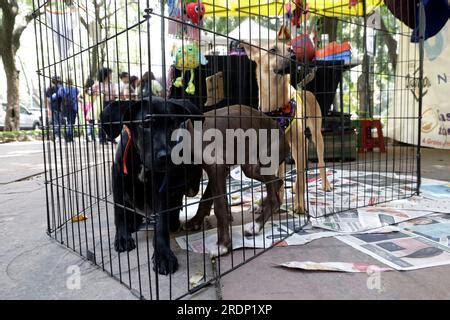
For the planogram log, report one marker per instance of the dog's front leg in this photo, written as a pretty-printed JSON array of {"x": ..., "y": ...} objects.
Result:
[
  {"x": 217, "y": 180},
  {"x": 204, "y": 210},
  {"x": 318, "y": 141},
  {"x": 281, "y": 173},
  {"x": 123, "y": 240},
  {"x": 298, "y": 145},
  {"x": 270, "y": 204},
  {"x": 124, "y": 219},
  {"x": 164, "y": 261}
]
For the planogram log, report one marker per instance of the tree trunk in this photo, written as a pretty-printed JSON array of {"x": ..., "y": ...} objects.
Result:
[
  {"x": 10, "y": 33},
  {"x": 390, "y": 43},
  {"x": 365, "y": 90},
  {"x": 94, "y": 63},
  {"x": 12, "y": 119},
  {"x": 328, "y": 25}
]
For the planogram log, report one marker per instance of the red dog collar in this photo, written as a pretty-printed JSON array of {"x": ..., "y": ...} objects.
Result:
[{"x": 127, "y": 148}]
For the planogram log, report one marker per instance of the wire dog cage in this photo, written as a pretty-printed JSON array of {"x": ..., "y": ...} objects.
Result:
[{"x": 211, "y": 55}]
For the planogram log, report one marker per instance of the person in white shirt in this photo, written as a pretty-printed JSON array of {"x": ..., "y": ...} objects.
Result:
[{"x": 107, "y": 92}]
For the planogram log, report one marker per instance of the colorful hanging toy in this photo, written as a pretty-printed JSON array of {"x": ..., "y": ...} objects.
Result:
[
  {"x": 195, "y": 12},
  {"x": 187, "y": 58},
  {"x": 295, "y": 11}
]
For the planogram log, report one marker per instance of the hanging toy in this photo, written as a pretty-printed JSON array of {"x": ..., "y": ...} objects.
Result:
[
  {"x": 295, "y": 14},
  {"x": 187, "y": 58},
  {"x": 195, "y": 11}
]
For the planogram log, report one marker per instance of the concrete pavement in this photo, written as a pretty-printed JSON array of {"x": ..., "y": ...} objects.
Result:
[{"x": 32, "y": 266}]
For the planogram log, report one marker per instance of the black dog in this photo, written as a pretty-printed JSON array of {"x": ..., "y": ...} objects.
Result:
[{"x": 144, "y": 180}]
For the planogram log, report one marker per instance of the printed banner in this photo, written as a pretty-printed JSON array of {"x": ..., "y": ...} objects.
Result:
[{"x": 402, "y": 124}]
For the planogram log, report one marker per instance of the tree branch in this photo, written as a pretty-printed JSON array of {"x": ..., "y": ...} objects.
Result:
[
  {"x": 84, "y": 23},
  {"x": 17, "y": 33},
  {"x": 118, "y": 9}
]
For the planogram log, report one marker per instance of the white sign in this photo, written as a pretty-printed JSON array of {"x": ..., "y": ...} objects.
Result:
[{"x": 402, "y": 124}]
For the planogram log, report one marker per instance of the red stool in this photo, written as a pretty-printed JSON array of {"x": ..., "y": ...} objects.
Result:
[{"x": 367, "y": 141}]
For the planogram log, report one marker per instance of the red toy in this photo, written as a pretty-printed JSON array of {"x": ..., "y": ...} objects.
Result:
[
  {"x": 303, "y": 48},
  {"x": 195, "y": 11}
]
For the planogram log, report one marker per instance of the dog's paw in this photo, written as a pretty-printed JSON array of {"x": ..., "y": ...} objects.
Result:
[
  {"x": 191, "y": 225},
  {"x": 299, "y": 210},
  {"x": 251, "y": 229},
  {"x": 124, "y": 243},
  {"x": 327, "y": 186},
  {"x": 174, "y": 225},
  {"x": 257, "y": 209},
  {"x": 164, "y": 262},
  {"x": 219, "y": 250}
]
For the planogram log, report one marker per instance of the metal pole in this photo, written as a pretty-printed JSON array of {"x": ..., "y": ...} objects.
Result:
[
  {"x": 419, "y": 120},
  {"x": 366, "y": 67}
]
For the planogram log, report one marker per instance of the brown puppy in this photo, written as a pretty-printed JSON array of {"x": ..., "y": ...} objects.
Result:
[
  {"x": 262, "y": 137},
  {"x": 275, "y": 91}
]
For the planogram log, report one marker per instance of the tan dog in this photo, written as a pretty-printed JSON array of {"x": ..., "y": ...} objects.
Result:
[{"x": 275, "y": 91}]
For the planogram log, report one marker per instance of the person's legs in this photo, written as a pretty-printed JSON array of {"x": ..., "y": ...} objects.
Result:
[
  {"x": 56, "y": 124},
  {"x": 71, "y": 117},
  {"x": 90, "y": 130},
  {"x": 101, "y": 133}
]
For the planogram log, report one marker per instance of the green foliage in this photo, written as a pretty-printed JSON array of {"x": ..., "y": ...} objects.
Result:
[
  {"x": 27, "y": 135},
  {"x": 21, "y": 135},
  {"x": 221, "y": 25},
  {"x": 382, "y": 75}
]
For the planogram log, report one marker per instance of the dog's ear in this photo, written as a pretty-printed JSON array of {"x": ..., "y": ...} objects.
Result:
[
  {"x": 186, "y": 107},
  {"x": 114, "y": 114},
  {"x": 252, "y": 51}
]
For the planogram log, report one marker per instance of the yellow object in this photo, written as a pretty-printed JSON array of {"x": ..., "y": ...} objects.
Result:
[
  {"x": 178, "y": 82},
  {"x": 190, "y": 88},
  {"x": 78, "y": 218},
  {"x": 276, "y": 8}
]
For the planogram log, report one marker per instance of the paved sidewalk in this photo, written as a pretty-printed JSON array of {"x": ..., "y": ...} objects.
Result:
[{"x": 32, "y": 266}]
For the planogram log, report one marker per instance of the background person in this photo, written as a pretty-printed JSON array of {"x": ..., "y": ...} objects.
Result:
[
  {"x": 88, "y": 109},
  {"x": 105, "y": 91},
  {"x": 124, "y": 87},
  {"x": 134, "y": 86},
  {"x": 69, "y": 94},
  {"x": 150, "y": 86},
  {"x": 53, "y": 106}
]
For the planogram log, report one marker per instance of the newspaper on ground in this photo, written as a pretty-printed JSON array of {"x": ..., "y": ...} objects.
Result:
[
  {"x": 423, "y": 242},
  {"x": 286, "y": 232},
  {"x": 420, "y": 203},
  {"x": 334, "y": 266},
  {"x": 206, "y": 241},
  {"x": 436, "y": 190},
  {"x": 392, "y": 232},
  {"x": 435, "y": 227},
  {"x": 367, "y": 218},
  {"x": 354, "y": 189}
]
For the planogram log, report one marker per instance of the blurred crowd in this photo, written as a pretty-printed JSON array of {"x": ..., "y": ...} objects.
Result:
[{"x": 66, "y": 103}]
